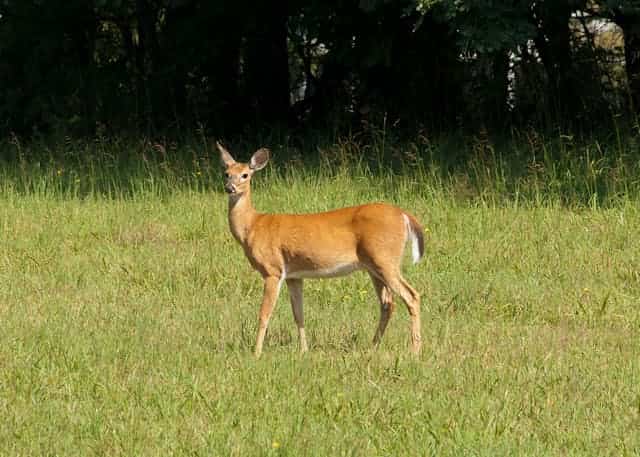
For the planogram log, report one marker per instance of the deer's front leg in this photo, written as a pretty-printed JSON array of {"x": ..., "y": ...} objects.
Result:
[{"x": 271, "y": 291}]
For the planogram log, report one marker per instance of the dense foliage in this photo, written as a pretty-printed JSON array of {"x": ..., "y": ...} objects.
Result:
[{"x": 81, "y": 66}]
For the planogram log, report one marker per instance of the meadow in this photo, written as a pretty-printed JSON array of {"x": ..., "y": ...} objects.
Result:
[{"x": 128, "y": 313}]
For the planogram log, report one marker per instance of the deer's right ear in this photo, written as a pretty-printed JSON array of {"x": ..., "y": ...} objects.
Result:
[
  {"x": 259, "y": 159},
  {"x": 225, "y": 156}
]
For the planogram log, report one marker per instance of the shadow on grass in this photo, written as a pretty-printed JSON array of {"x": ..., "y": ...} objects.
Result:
[{"x": 525, "y": 167}]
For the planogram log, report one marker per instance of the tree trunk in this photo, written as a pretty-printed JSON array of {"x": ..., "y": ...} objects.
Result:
[
  {"x": 630, "y": 25},
  {"x": 179, "y": 15},
  {"x": 146, "y": 54},
  {"x": 267, "y": 63},
  {"x": 225, "y": 74},
  {"x": 553, "y": 41},
  {"x": 498, "y": 88},
  {"x": 83, "y": 33}
]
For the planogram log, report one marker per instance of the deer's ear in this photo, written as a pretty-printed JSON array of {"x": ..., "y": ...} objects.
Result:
[
  {"x": 259, "y": 159},
  {"x": 225, "y": 156}
]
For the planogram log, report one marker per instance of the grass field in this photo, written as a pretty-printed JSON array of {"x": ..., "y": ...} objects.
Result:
[{"x": 128, "y": 313}]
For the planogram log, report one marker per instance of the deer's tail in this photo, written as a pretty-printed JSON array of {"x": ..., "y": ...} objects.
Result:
[{"x": 415, "y": 232}]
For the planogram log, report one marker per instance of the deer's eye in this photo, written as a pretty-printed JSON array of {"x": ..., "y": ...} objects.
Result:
[
  {"x": 245, "y": 176},
  {"x": 226, "y": 175}
]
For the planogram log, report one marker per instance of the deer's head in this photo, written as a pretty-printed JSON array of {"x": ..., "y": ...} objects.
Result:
[{"x": 238, "y": 175}]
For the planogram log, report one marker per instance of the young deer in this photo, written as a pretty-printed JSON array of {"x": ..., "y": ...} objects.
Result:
[{"x": 287, "y": 247}]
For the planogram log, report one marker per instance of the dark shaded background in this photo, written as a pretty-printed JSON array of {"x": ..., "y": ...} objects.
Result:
[{"x": 228, "y": 68}]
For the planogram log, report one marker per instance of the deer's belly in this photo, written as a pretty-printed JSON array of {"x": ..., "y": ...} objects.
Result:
[{"x": 332, "y": 271}]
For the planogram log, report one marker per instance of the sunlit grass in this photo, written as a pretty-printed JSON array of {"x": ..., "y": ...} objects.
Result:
[{"x": 128, "y": 312}]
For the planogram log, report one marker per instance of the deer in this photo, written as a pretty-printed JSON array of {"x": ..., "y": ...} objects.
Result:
[{"x": 293, "y": 247}]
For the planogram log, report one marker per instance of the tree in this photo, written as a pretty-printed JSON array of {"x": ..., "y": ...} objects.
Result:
[
  {"x": 489, "y": 34},
  {"x": 49, "y": 72},
  {"x": 160, "y": 65}
]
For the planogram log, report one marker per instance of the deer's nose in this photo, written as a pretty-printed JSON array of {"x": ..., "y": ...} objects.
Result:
[{"x": 230, "y": 188}]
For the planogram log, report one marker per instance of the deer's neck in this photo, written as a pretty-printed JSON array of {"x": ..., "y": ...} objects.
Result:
[{"x": 241, "y": 216}]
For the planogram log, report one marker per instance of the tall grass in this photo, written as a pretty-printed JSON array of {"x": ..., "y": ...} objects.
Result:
[
  {"x": 128, "y": 312},
  {"x": 527, "y": 167}
]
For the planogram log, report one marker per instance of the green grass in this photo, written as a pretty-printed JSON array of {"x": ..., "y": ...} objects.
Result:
[{"x": 128, "y": 313}]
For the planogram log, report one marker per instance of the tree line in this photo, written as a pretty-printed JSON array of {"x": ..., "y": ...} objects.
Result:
[{"x": 154, "y": 65}]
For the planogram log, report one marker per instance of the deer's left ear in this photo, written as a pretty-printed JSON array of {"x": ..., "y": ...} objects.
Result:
[
  {"x": 259, "y": 159},
  {"x": 225, "y": 156}
]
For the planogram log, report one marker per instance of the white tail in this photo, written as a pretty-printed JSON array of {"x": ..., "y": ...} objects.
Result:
[
  {"x": 290, "y": 247},
  {"x": 414, "y": 233}
]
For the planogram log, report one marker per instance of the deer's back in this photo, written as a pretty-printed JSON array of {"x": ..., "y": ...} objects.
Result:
[{"x": 323, "y": 244}]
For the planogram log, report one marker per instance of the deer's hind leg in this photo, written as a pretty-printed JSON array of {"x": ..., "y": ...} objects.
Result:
[
  {"x": 386, "y": 307},
  {"x": 382, "y": 260},
  {"x": 391, "y": 277},
  {"x": 295, "y": 294}
]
